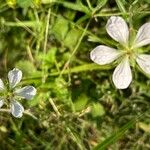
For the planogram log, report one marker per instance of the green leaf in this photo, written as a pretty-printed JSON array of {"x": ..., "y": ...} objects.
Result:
[
  {"x": 60, "y": 28},
  {"x": 81, "y": 102},
  {"x": 51, "y": 55},
  {"x": 48, "y": 59},
  {"x": 26, "y": 67},
  {"x": 60, "y": 90},
  {"x": 72, "y": 38},
  {"x": 37, "y": 2},
  {"x": 69, "y": 14},
  {"x": 78, "y": 6},
  {"x": 97, "y": 110},
  {"x": 24, "y": 3},
  {"x": 11, "y": 3},
  {"x": 75, "y": 6}
]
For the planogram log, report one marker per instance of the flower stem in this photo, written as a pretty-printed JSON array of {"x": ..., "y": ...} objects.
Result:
[
  {"x": 54, "y": 107},
  {"x": 25, "y": 112}
]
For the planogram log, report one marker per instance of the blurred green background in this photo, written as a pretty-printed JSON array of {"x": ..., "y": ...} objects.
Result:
[{"x": 77, "y": 106}]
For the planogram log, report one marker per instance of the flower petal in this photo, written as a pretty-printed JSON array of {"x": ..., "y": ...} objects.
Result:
[
  {"x": 117, "y": 28},
  {"x": 26, "y": 92},
  {"x": 14, "y": 77},
  {"x": 143, "y": 36},
  {"x": 143, "y": 61},
  {"x": 1, "y": 102},
  {"x": 16, "y": 109},
  {"x": 104, "y": 55},
  {"x": 2, "y": 87},
  {"x": 122, "y": 75}
]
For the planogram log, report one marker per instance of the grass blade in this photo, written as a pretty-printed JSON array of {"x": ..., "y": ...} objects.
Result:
[
  {"x": 117, "y": 135},
  {"x": 121, "y": 6}
]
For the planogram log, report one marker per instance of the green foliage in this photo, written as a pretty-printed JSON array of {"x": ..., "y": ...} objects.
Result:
[
  {"x": 24, "y": 65},
  {"x": 11, "y": 3},
  {"x": 81, "y": 102},
  {"x": 114, "y": 137},
  {"x": 24, "y": 3},
  {"x": 60, "y": 28},
  {"x": 72, "y": 38},
  {"x": 97, "y": 110}
]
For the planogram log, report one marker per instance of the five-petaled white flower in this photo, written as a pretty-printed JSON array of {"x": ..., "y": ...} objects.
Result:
[
  {"x": 118, "y": 29},
  {"x": 10, "y": 93}
]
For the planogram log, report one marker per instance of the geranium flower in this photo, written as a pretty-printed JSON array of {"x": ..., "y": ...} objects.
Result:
[
  {"x": 9, "y": 93},
  {"x": 129, "y": 52}
]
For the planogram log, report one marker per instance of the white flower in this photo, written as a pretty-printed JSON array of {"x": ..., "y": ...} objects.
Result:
[
  {"x": 118, "y": 29},
  {"x": 10, "y": 93}
]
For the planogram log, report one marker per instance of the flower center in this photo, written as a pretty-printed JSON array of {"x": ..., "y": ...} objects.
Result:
[
  {"x": 130, "y": 52},
  {"x": 8, "y": 94}
]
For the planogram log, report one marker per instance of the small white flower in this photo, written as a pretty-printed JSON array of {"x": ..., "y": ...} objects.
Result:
[
  {"x": 10, "y": 93},
  {"x": 117, "y": 28}
]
